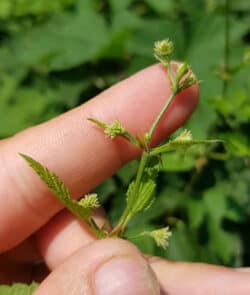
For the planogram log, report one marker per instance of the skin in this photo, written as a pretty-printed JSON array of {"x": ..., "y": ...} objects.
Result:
[{"x": 33, "y": 225}]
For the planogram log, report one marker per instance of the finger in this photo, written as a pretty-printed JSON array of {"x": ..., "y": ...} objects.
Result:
[
  {"x": 64, "y": 234},
  {"x": 78, "y": 152},
  {"x": 58, "y": 239},
  {"x": 199, "y": 279},
  {"x": 106, "y": 267}
]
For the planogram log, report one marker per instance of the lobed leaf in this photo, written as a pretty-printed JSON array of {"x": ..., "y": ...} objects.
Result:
[{"x": 142, "y": 197}]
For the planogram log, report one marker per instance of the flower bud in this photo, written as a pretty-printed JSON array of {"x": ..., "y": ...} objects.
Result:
[
  {"x": 114, "y": 130},
  {"x": 161, "y": 237},
  {"x": 163, "y": 50}
]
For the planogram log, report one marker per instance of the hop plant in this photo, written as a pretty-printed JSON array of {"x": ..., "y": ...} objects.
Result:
[{"x": 141, "y": 192}]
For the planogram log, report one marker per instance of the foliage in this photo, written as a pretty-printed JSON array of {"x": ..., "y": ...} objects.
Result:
[
  {"x": 141, "y": 191},
  {"x": 18, "y": 289},
  {"x": 49, "y": 63}
]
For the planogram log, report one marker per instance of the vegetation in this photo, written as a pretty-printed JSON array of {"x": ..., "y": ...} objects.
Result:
[{"x": 50, "y": 63}]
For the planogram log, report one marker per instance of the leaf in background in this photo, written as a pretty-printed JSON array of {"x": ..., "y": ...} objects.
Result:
[
  {"x": 241, "y": 5},
  {"x": 235, "y": 107},
  {"x": 148, "y": 32},
  {"x": 196, "y": 213},
  {"x": 64, "y": 48},
  {"x": 122, "y": 25},
  {"x": 162, "y": 7},
  {"x": 140, "y": 43},
  {"x": 223, "y": 243},
  {"x": 19, "y": 8},
  {"x": 105, "y": 190},
  {"x": 18, "y": 289},
  {"x": 30, "y": 106},
  {"x": 205, "y": 58},
  {"x": 21, "y": 107},
  {"x": 178, "y": 161},
  {"x": 144, "y": 243},
  {"x": 5, "y": 8},
  {"x": 203, "y": 119},
  {"x": 127, "y": 172},
  {"x": 237, "y": 144},
  {"x": 184, "y": 246}
]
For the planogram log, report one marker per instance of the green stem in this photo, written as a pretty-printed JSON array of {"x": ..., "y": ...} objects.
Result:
[
  {"x": 227, "y": 46},
  {"x": 128, "y": 212},
  {"x": 158, "y": 118},
  {"x": 95, "y": 229},
  {"x": 171, "y": 77}
]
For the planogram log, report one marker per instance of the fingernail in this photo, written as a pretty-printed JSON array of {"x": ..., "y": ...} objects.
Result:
[{"x": 125, "y": 276}]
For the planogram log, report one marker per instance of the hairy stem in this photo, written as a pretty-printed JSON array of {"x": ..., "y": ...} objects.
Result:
[
  {"x": 95, "y": 229},
  {"x": 158, "y": 118}
]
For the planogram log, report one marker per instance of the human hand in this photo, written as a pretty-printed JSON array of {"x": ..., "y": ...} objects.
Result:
[{"x": 33, "y": 226}]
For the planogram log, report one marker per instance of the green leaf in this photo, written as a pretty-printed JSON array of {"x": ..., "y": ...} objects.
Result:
[
  {"x": 105, "y": 190},
  {"x": 145, "y": 196},
  {"x": 222, "y": 242},
  {"x": 58, "y": 49},
  {"x": 143, "y": 242},
  {"x": 162, "y": 7},
  {"x": 10, "y": 8},
  {"x": 141, "y": 198},
  {"x": 18, "y": 289},
  {"x": 237, "y": 144},
  {"x": 196, "y": 213},
  {"x": 127, "y": 172},
  {"x": 178, "y": 161},
  {"x": 183, "y": 245},
  {"x": 59, "y": 189}
]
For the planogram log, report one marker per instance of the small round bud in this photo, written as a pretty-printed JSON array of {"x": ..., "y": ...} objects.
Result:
[{"x": 163, "y": 50}]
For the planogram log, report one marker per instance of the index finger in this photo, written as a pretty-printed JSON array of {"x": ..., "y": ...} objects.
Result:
[{"x": 78, "y": 152}]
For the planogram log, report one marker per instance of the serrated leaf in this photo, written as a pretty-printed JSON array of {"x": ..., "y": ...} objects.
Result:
[
  {"x": 56, "y": 185},
  {"x": 141, "y": 198},
  {"x": 18, "y": 289},
  {"x": 145, "y": 196}
]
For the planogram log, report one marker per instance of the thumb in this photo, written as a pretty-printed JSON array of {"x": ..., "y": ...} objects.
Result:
[{"x": 106, "y": 267}]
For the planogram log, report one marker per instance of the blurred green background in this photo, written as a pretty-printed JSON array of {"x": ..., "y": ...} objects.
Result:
[{"x": 57, "y": 54}]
